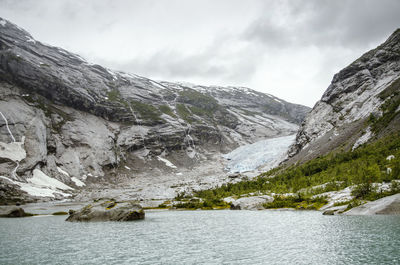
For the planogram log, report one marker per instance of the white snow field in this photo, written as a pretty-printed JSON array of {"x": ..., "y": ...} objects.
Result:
[{"x": 267, "y": 153}]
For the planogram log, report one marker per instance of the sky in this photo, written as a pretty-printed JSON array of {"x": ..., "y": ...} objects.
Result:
[{"x": 288, "y": 48}]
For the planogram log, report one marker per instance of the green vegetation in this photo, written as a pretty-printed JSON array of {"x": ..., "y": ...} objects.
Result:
[
  {"x": 198, "y": 99},
  {"x": 337, "y": 170},
  {"x": 114, "y": 95},
  {"x": 167, "y": 110},
  {"x": 392, "y": 94},
  {"x": 366, "y": 191},
  {"x": 184, "y": 113},
  {"x": 195, "y": 203},
  {"x": 201, "y": 112},
  {"x": 298, "y": 202},
  {"x": 146, "y": 111},
  {"x": 199, "y": 104},
  {"x": 14, "y": 57}
]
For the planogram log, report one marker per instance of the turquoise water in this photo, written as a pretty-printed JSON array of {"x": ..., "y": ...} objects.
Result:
[{"x": 205, "y": 237}]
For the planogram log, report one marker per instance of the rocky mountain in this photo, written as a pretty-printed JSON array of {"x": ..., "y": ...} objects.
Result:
[
  {"x": 361, "y": 103},
  {"x": 67, "y": 124}
]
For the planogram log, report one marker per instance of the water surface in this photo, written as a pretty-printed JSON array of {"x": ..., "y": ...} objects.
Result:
[{"x": 205, "y": 237}]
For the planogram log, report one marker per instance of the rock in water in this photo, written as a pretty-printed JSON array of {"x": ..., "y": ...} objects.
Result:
[
  {"x": 13, "y": 212},
  {"x": 388, "y": 205},
  {"x": 107, "y": 211}
]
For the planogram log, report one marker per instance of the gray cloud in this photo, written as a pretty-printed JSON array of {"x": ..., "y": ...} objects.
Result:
[
  {"x": 289, "y": 48},
  {"x": 327, "y": 23}
]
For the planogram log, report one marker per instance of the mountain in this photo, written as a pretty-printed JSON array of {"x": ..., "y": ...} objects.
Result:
[
  {"x": 361, "y": 104},
  {"x": 67, "y": 125},
  {"x": 346, "y": 152}
]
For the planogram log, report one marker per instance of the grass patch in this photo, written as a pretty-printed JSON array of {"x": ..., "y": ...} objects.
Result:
[
  {"x": 167, "y": 110},
  {"x": 146, "y": 111},
  {"x": 184, "y": 113},
  {"x": 114, "y": 95},
  {"x": 298, "y": 202},
  {"x": 392, "y": 96}
]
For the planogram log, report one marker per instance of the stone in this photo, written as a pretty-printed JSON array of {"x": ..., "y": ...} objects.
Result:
[
  {"x": 251, "y": 203},
  {"x": 13, "y": 212},
  {"x": 389, "y": 205},
  {"x": 103, "y": 210}
]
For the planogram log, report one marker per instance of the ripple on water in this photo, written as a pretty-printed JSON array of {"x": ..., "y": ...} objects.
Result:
[{"x": 205, "y": 237}]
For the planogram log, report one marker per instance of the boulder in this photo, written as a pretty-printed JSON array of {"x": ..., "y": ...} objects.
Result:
[
  {"x": 388, "y": 205},
  {"x": 13, "y": 211},
  {"x": 251, "y": 203},
  {"x": 107, "y": 211}
]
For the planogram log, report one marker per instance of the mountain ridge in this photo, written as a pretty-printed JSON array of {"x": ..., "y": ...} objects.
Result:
[
  {"x": 82, "y": 123},
  {"x": 355, "y": 93}
]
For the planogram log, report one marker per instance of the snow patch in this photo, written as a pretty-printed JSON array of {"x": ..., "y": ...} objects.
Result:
[
  {"x": 78, "y": 182},
  {"x": 42, "y": 180},
  {"x": 128, "y": 168},
  {"x": 268, "y": 153},
  {"x": 36, "y": 191},
  {"x": 167, "y": 162},
  {"x": 3, "y": 22},
  {"x": 62, "y": 171}
]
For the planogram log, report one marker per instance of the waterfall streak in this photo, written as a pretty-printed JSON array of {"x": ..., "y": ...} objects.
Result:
[{"x": 8, "y": 128}]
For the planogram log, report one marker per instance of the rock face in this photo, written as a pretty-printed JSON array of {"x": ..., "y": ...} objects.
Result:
[
  {"x": 107, "y": 211},
  {"x": 83, "y": 124},
  {"x": 251, "y": 203},
  {"x": 356, "y": 93},
  {"x": 388, "y": 205}
]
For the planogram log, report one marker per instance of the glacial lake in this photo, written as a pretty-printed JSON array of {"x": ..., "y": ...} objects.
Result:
[{"x": 204, "y": 237}]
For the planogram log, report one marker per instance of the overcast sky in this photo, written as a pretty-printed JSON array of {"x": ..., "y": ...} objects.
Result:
[{"x": 290, "y": 49}]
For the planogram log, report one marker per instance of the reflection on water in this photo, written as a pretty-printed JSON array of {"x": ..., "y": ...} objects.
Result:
[{"x": 205, "y": 237}]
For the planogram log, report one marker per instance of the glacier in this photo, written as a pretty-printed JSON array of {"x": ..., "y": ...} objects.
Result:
[{"x": 266, "y": 153}]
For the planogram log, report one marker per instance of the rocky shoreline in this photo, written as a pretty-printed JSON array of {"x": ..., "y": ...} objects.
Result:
[{"x": 389, "y": 205}]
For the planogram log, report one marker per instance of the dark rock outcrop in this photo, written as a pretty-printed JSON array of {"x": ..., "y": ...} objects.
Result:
[{"x": 107, "y": 211}]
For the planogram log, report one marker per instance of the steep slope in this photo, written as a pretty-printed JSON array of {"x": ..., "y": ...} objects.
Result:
[
  {"x": 65, "y": 119},
  {"x": 347, "y": 150},
  {"x": 359, "y": 96}
]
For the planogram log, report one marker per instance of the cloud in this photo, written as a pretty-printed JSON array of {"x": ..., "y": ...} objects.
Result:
[
  {"x": 288, "y": 48},
  {"x": 326, "y": 23}
]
